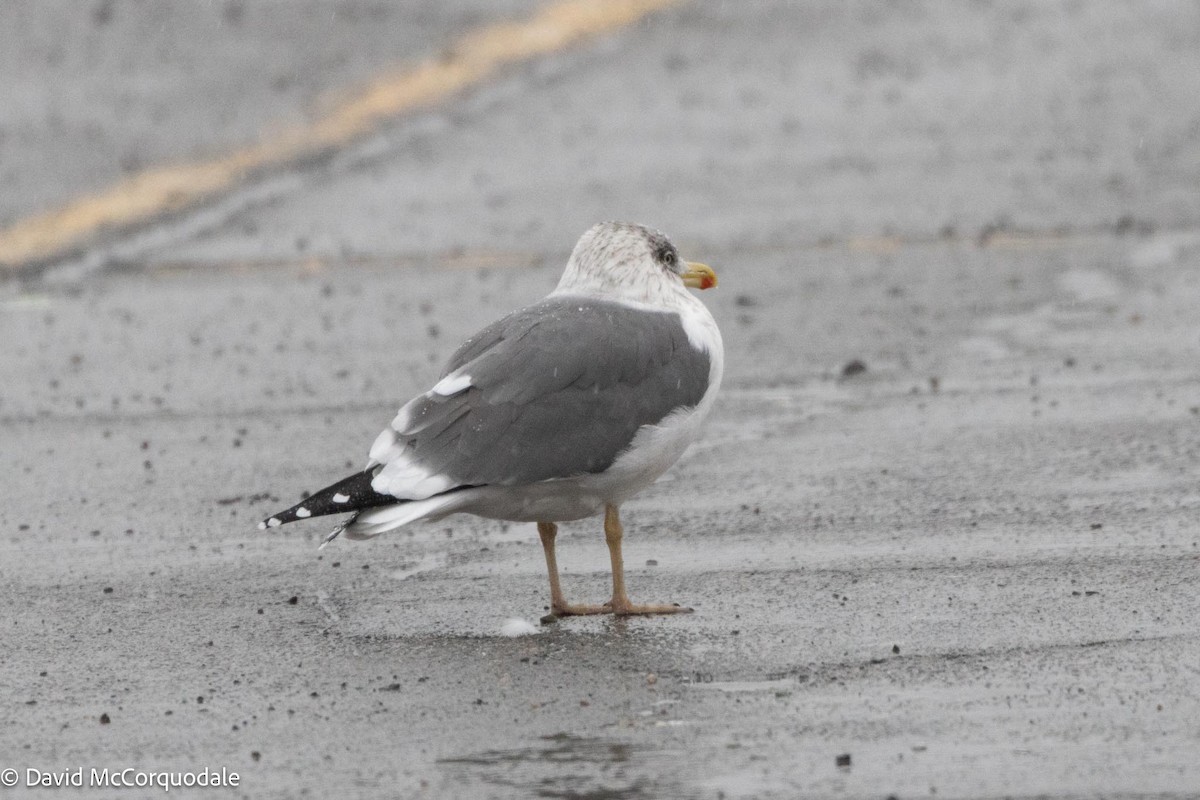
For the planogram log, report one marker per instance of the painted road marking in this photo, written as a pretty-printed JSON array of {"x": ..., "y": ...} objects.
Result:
[
  {"x": 162, "y": 190},
  {"x": 508, "y": 258}
]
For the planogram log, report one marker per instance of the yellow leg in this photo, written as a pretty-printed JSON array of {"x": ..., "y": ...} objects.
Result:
[
  {"x": 620, "y": 604},
  {"x": 558, "y": 604}
]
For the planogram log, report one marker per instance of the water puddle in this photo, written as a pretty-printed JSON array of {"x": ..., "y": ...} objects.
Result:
[
  {"x": 770, "y": 685},
  {"x": 567, "y": 766},
  {"x": 425, "y": 563}
]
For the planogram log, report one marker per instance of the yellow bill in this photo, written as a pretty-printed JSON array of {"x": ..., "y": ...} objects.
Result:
[{"x": 699, "y": 276}]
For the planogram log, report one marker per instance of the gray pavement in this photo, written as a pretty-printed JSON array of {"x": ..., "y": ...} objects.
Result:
[
  {"x": 969, "y": 570},
  {"x": 96, "y": 91}
]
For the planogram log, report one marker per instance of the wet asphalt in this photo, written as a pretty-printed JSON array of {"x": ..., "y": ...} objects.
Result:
[{"x": 940, "y": 535}]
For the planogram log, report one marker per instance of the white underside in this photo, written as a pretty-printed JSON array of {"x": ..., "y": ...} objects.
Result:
[{"x": 653, "y": 451}]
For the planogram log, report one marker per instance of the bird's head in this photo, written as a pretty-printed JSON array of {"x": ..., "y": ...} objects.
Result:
[{"x": 632, "y": 262}]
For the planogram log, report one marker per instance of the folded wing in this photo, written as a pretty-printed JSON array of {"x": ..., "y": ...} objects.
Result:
[{"x": 552, "y": 391}]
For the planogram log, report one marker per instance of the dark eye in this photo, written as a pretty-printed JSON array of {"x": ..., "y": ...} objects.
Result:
[{"x": 665, "y": 254}]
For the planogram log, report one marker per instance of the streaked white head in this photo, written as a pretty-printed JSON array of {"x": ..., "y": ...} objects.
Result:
[{"x": 622, "y": 260}]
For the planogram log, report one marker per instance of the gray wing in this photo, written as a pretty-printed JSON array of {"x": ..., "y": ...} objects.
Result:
[{"x": 555, "y": 390}]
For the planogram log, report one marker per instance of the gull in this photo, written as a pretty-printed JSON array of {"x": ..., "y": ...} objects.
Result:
[{"x": 559, "y": 411}]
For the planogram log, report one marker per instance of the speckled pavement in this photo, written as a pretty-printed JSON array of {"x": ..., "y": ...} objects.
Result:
[{"x": 940, "y": 536}]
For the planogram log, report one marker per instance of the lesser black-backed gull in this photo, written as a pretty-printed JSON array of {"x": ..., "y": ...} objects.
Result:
[{"x": 559, "y": 411}]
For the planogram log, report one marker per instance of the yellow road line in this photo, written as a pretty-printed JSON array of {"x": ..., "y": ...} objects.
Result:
[{"x": 472, "y": 59}]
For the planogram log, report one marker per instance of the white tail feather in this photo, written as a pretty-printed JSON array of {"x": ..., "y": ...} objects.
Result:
[{"x": 375, "y": 521}]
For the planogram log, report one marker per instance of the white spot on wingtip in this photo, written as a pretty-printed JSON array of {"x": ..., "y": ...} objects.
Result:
[
  {"x": 517, "y": 627},
  {"x": 341, "y": 498},
  {"x": 262, "y": 526},
  {"x": 273, "y": 522},
  {"x": 303, "y": 513}
]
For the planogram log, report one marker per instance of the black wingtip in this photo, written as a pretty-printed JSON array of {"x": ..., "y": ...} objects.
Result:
[{"x": 350, "y": 494}]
